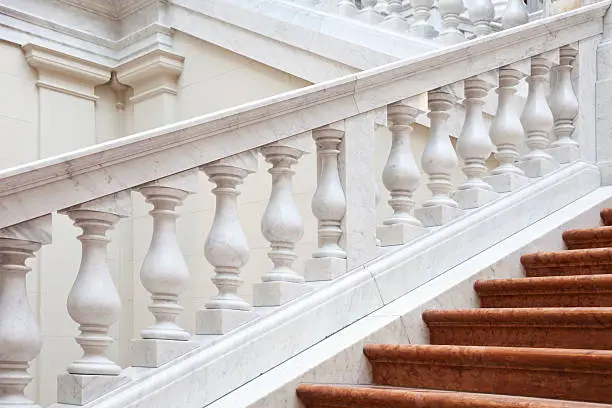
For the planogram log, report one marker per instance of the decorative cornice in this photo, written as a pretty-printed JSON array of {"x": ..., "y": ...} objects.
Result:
[
  {"x": 153, "y": 64},
  {"x": 66, "y": 90},
  {"x": 113, "y": 9}
]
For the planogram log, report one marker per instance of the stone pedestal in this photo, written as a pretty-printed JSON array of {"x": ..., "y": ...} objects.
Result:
[
  {"x": 324, "y": 269},
  {"x": 221, "y": 321},
  {"x": 437, "y": 215},
  {"x": 507, "y": 182},
  {"x": 473, "y": 198},
  {"x": 154, "y": 353},
  {"x": 75, "y": 389},
  {"x": 398, "y": 234},
  {"x": 565, "y": 154},
  {"x": 277, "y": 293},
  {"x": 538, "y": 167}
]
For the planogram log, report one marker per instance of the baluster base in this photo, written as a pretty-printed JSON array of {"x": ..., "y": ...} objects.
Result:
[
  {"x": 565, "y": 154},
  {"x": 369, "y": 16},
  {"x": 537, "y": 167},
  {"x": 473, "y": 197},
  {"x": 398, "y": 234},
  {"x": 277, "y": 293},
  {"x": 221, "y": 321},
  {"x": 505, "y": 183},
  {"x": 437, "y": 215},
  {"x": 153, "y": 353},
  {"x": 76, "y": 389},
  {"x": 324, "y": 269},
  {"x": 395, "y": 23}
]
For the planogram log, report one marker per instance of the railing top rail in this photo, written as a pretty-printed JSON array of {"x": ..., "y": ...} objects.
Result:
[{"x": 48, "y": 185}]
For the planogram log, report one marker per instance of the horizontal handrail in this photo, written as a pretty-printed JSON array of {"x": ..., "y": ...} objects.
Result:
[{"x": 51, "y": 184}]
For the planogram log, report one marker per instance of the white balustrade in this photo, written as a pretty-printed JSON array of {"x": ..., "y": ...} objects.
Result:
[
  {"x": 401, "y": 177},
  {"x": 438, "y": 161},
  {"x": 282, "y": 226},
  {"x": 450, "y": 11},
  {"x": 507, "y": 131},
  {"x": 481, "y": 14},
  {"x": 537, "y": 120},
  {"x": 515, "y": 14},
  {"x": 347, "y": 8},
  {"x": 474, "y": 145},
  {"x": 382, "y": 6},
  {"x": 368, "y": 13},
  {"x": 422, "y": 12},
  {"x": 20, "y": 340},
  {"x": 564, "y": 106},
  {"x": 328, "y": 206},
  {"x": 226, "y": 247},
  {"x": 394, "y": 20}
]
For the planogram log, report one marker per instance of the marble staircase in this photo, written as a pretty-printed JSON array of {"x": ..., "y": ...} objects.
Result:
[{"x": 538, "y": 341}]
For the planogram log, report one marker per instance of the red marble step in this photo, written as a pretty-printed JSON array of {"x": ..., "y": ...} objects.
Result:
[
  {"x": 572, "y": 328},
  {"x": 600, "y": 237},
  {"x": 577, "y": 375},
  {"x": 606, "y": 216},
  {"x": 564, "y": 263},
  {"x": 343, "y": 396},
  {"x": 553, "y": 291}
]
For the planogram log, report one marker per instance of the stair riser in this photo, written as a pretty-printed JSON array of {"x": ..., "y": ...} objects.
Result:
[
  {"x": 578, "y": 337},
  {"x": 575, "y": 386},
  {"x": 548, "y": 300},
  {"x": 569, "y": 270},
  {"x": 588, "y": 244}
]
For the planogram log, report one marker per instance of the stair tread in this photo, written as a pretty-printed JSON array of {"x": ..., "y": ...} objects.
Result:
[
  {"x": 397, "y": 397},
  {"x": 584, "y": 316},
  {"x": 573, "y": 283},
  {"x": 589, "y": 256},
  {"x": 454, "y": 355},
  {"x": 606, "y": 216}
]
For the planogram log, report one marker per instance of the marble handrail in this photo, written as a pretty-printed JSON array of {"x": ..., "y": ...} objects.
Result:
[{"x": 44, "y": 186}]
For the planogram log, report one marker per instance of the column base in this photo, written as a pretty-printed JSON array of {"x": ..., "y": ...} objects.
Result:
[
  {"x": 277, "y": 293},
  {"x": 437, "y": 215},
  {"x": 77, "y": 389},
  {"x": 507, "y": 182},
  {"x": 473, "y": 197},
  {"x": 153, "y": 353},
  {"x": 565, "y": 154},
  {"x": 398, "y": 234},
  {"x": 538, "y": 167},
  {"x": 324, "y": 269},
  {"x": 221, "y": 321}
]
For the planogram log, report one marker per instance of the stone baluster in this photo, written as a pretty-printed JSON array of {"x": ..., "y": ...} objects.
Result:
[
  {"x": 450, "y": 11},
  {"x": 507, "y": 131},
  {"x": 474, "y": 145},
  {"x": 20, "y": 340},
  {"x": 401, "y": 177},
  {"x": 515, "y": 14},
  {"x": 422, "y": 12},
  {"x": 394, "y": 20},
  {"x": 368, "y": 14},
  {"x": 481, "y": 14},
  {"x": 382, "y": 6},
  {"x": 226, "y": 247},
  {"x": 564, "y": 106},
  {"x": 93, "y": 301},
  {"x": 164, "y": 273},
  {"x": 328, "y": 206},
  {"x": 282, "y": 225},
  {"x": 347, "y": 8},
  {"x": 438, "y": 161},
  {"x": 537, "y": 119}
]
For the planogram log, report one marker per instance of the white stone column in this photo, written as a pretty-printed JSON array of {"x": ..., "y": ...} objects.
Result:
[
  {"x": 564, "y": 106},
  {"x": 394, "y": 20},
  {"x": 226, "y": 247},
  {"x": 439, "y": 160},
  {"x": 422, "y": 12},
  {"x": 282, "y": 225},
  {"x": 368, "y": 14},
  {"x": 401, "y": 175},
  {"x": 449, "y": 12},
  {"x": 474, "y": 146},
  {"x": 481, "y": 14},
  {"x": 537, "y": 118},
  {"x": 164, "y": 273},
  {"x": 515, "y": 14},
  {"x": 328, "y": 206},
  {"x": 347, "y": 8},
  {"x": 20, "y": 340},
  {"x": 507, "y": 131},
  {"x": 93, "y": 302}
]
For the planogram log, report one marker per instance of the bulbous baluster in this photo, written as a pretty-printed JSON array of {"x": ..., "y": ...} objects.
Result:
[
  {"x": 394, "y": 20},
  {"x": 450, "y": 11},
  {"x": 564, "y": 106},
  {"x": 282, "y": 226},
  {"x": 347, "y": 8},
  {"x": 20, "y": 340},
  {"x": 537, "y": 120},
  {"x": 328, "y": 206},
  {"x": 507, "y": 131},
  {"x": 515, "y": 14},
  {"x": 482, "y": 13},
  {"x": 226, "y": 247},
  {"x": 474, "y": 146},
  {"x": 422, "y": 12},
  {"x": 382, "y": 6},
  {"x": 368, "y": 13},
  {"x": 438, "y": 160}
]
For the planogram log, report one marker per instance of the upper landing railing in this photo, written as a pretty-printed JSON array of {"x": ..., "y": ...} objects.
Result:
[{"x": 92, "y": 185}]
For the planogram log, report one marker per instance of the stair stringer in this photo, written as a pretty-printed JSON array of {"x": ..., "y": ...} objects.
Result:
[
  {"x": 339, "y": 359},
  {"x": 227, "y": 362}
]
